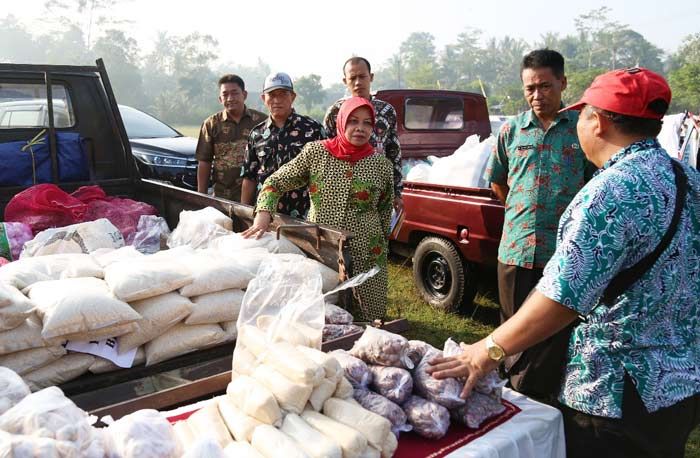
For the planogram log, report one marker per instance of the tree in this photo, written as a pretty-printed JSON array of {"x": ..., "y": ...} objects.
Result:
[
  {"x": 685, "y": 86},
  {"x": 310, "y": 90},
  {"x": 120, "y": 54},
  {"x": 418, "y": 56},
  {"x": 17, "y": 44},
  {"x": 578, "y": 82},
  {"x": 86, "y": 15}
]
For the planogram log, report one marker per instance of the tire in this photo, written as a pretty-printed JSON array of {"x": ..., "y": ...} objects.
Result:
[{"x": 441, "y": 277}]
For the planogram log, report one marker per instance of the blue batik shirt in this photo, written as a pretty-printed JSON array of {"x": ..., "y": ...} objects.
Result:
[{"x": 651, "y": 330}]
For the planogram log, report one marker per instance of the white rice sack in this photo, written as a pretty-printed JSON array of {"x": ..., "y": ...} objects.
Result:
[
  {"x": 312, "y": 441},
  {"x": 291, "y": 363},
  {"x": 199, "y": 227},
  {"x": 241, "y": 450},
  {"x": 15, "y": 307},
  {"x": 212, "y": 271},
  {"x": 48, "y": 413},
  {"x": 12, "y": 389},
  {"x": 253, "y": 339},
  {"x": 230, "y": 330},
  {"x": 158, "y": 314},
  {"x": 233, "y": 243},
  {"x": 216, "y": 307},
  {"x": 208, "y": 422},
  {"x": 102, "y": 365},
  {"x": 322, "y": 393},
  {"x": 290, "y": 396},
  {"x": 182, "y": 339},
  {"x": 76, "y": 238},
  {"x": 107, "y": 256},
  {"x": 26, "y": 361},
  {"x": 146, "y": 276},
  {"x": 25, "y": 272},
  {"x": 351, "y": 441},
  {"x": 205, "y": 447},
  {"x": 25, "y": 336},
  {"x": 254, "y": 400},
  {"x": 80, "y": 309},
  {"x": 145, "y": 433},
  {"x": 273, "y": 443},
  {"x": 240, "y": 425},
  {"x": 372, "y": 426},
  {"x": 62, "y": 370}
]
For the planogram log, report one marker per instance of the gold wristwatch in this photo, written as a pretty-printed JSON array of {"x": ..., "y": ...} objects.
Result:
[{"x": 494, "y": 350}]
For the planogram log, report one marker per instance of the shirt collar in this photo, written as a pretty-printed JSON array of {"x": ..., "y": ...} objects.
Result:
[
  {"x": 641, "y": 145},
  {"x": 532, "y": 121},
  {"x": 246, "y": 112},
  {"x": 269, "y": 124}
]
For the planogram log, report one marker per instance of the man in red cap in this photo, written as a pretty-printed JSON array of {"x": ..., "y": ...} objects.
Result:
[{"x": 627, "y": 270}]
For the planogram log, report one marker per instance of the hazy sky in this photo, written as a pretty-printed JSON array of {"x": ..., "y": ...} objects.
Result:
[{"x": 316, "y": 36}]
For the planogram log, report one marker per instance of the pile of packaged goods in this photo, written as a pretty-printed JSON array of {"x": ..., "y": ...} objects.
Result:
[
  {"x": 388, "y": 375},
  {"x": 82, "y": 283}
]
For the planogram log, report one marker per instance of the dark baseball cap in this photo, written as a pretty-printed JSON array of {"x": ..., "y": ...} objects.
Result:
[
  {"x": 277, "y": 80},
  {"x": 627, "y": 92}
]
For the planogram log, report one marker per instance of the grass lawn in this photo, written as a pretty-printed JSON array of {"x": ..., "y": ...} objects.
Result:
[{"x": 435, "y": 327}]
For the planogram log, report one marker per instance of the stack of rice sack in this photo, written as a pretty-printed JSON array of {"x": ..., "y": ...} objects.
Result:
[
  {"x": 388, "y": 374},
  {"x": 285, "y": 399}
]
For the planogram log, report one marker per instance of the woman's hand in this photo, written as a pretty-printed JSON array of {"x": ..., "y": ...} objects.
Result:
[
  {"x": 260, "y": 225},
  {"x": 473, "y": 364}
]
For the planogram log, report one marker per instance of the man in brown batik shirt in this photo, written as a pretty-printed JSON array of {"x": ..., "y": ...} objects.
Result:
[{"x": 223, "y": 139}]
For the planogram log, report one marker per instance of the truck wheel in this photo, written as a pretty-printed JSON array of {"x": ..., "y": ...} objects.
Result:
[{"x": 441, "y": 276}]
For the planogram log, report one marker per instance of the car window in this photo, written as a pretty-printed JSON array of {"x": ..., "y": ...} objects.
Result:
[
  {"x": 141, "y": 125},
  {"x": 434, "y": 113},
  {"x": 24, "y": 105}
]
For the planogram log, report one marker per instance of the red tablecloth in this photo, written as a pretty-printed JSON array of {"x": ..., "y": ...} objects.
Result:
[{"x": 413, "y": 446}]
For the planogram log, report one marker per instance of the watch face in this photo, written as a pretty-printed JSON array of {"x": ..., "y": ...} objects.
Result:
[{"x": 495, "y": 353}]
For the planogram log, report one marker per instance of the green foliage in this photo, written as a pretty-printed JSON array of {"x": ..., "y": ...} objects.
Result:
[
  {"x": 686, "y": 88},
  {"x": 309, "y": 91},
  {"x": 577, "y": 83}
]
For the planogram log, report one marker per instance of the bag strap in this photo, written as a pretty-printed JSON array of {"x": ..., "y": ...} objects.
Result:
[{"x": 626, "y": 278}]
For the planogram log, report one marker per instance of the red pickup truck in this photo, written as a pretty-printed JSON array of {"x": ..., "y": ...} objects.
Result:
[{"x": 449, "y": 231}]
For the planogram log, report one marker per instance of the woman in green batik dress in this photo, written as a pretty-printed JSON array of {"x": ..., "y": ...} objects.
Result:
[{"x": 351, "y": 188}]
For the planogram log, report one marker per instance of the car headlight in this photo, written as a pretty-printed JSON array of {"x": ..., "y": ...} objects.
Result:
[{"x": 160, "y": 159}]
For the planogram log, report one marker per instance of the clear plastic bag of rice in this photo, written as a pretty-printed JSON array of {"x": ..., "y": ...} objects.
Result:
[
  {"x": 356, "y": 371},
  {"x": 337, "y": 315},
  {"x": 394, "y": 383},
  {"x": 429, "y": 420},
  {"x": 377, "y": 346},
  {"x": 382, "y": 406},
  {"x": 444, "y": 391}
]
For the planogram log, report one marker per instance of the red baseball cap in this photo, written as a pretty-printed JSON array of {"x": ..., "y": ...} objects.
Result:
[{"x": 627, "y": 92}]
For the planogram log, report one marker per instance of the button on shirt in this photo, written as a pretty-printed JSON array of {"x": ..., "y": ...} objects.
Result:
[
  {"x": 270, "y": 147},
  {"x": 223, "y": 141},
  {"x": 384, "y": 137},
  {"x": 651, "y": 331},
  {"x": 544, "y": 170}
]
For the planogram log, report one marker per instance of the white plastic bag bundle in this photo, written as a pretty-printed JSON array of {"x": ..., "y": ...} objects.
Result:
[
  {"x": 107, "y": 256},
  {"x": 254, "y": 400},
  {"x": 144, "y": 434},
  {"x": 233, "y": 243},
  {"x": 377, "y": 346},
  {"x": 15, "y": 307},
  {"x": 76, "y": 238},
  {"x": 151, "y": 234},
  {"x": 374, "y": 427},
  {"x": 337, "y": 315},
  {"x": 351, "y": 441},
  {"x": 356, "y": 370},
  {"x": 240, "y": 425},
  {"x": 25, "y": 272},
  {"x": 12, "y": 389},
  {"x": 283, "y": 299},
  {"x": 445, "y": 392},
  {"x": 464, "y": 168},
  {"x": 205, "y": 447},
  {"x": 291, "y": 396},
  {"x": 394, "y": 383},
  {"x": 199, "y": 227},
  {"x": 241, "y": 450},
  {"x": 419, "y": 173},
  {"x": 382, "y": 406},
  {"x": 48, "y": 413},
  {"x": 428, "y": 419},
  {"x": 273, "y": 443},
  {"x": 313, "y": 442},
  {"x": 23, "y": 446},
  {"x": 80, "y": 309},
  {"x": 207, "y": 421},
  {"x": 216, "y": 307}
]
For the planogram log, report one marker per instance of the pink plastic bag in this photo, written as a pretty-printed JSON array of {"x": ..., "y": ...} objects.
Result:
[
  {"x": 13, "y": 236},
  {"x": 123, "y": 213},
  {"x": 44, "y": 206}
]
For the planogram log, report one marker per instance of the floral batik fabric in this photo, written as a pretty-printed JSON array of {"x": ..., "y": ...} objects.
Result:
[{"x": 651, "y": 330}]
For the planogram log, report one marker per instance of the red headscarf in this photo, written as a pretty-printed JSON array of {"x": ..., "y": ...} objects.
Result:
[{"x": 339, "y": 146}]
